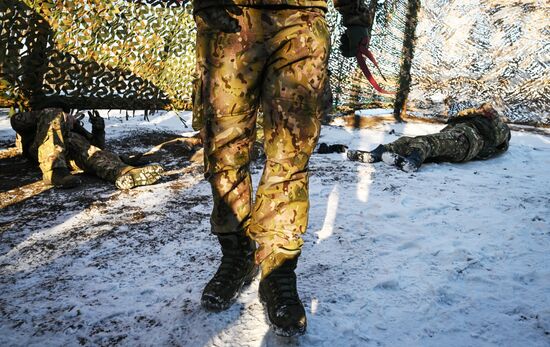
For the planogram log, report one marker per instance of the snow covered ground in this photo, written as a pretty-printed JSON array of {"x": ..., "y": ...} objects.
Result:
[{"x": 453, "y": 255}]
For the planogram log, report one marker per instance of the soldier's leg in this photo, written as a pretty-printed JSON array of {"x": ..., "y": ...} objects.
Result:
[
  {"x": 400, "y": 146},
  {"x": 108, "y": 166},
  {"x": 451, "y": 144},
  {"x": 404, "y": 155},
  {"x": 464, "y": 142},
  {"x": 93, "y": 160},
  {"x": 374, "y": 156},
  {"x": 226, "y": 99},
  {"x": 49, "y": 148},
  {"x": 50, "y": 140},
  {"x": 294, "y": 101}
]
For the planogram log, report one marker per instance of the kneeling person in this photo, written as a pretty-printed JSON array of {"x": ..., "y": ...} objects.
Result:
[
  {"x": 53, "y": 139},
  {"x": 476, "y": 133}
]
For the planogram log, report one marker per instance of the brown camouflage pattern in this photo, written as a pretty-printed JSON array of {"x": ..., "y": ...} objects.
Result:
[
  {"x": 91, "y": 159},
  {"x": 476, "y": 133},
  {"x": 43, "y": 136},
  {"x": 278, "y": 60},
  {"x": 51, "y": 142}
]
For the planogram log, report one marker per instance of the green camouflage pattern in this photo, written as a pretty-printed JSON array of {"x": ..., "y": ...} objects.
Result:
[
  {"x": 95, "y": 54},
  {"x": 448, "y": 145},
  {"x": 476, "y": 133},
  {"x": 490, "y": 125},
  {"x": 89, "y": 54},
  {"x": 48, "y": 139},
  {"x": 278, "y": 60}
]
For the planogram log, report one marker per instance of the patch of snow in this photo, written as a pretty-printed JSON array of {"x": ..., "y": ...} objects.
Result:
[
  {"x": 438, "y": 97},
  {"x": 374, "y": 112},
  {"x": 454, "y": 254},
  {"x": 118, "y": 125},
  {"x": 6, "y": 132}
]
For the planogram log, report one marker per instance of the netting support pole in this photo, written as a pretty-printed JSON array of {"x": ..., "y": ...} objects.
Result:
[
  {"x": 35, "y": 63},
  {"x": 407, "y": 53}
]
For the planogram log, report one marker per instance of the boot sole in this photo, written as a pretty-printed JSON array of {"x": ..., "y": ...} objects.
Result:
[
  {"x": 214, "y": 307},
  {"x": 147, "y": 176}
]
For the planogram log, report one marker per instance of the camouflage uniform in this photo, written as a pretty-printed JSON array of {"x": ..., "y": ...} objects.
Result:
[
  {"x": 278, "y": 60},
  {"x": 48, "y": 139},
  {"x": 477, "y": 133},
  {"x": 470, "y": 135}
]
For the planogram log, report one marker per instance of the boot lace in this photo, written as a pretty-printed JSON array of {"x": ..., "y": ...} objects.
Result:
[{"x": 283, "y": 288}]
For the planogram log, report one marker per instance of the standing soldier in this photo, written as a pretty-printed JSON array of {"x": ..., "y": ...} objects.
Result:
[
  {"x": 476, "y": 133},
  {"x": 52, "y": 138},
  {"x": 273, "y": 54}
]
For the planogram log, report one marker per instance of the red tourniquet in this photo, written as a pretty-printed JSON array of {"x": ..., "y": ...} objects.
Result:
[{"x": 363, "y": 51}]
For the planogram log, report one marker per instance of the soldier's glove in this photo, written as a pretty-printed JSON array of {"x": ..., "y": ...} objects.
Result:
[
  {"x": 355, "y": 43},
  {"x": 219, "y": 18},
  {"x": 79, "y": 117},
  {"x": 351, "y": 40},
  {"x": 97, "y": 122}
]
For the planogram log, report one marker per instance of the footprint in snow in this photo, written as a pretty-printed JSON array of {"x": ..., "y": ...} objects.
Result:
[{"x": 388, "y": 285}]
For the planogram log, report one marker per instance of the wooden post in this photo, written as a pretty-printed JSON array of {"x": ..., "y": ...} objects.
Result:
[{"x": 409, "y": 41}]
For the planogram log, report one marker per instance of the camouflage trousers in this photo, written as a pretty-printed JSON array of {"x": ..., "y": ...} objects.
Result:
[
  {"x": 455, "y": 143},
  {"x": 47, "y": 139},
  {"x": 278, "y": 62}
]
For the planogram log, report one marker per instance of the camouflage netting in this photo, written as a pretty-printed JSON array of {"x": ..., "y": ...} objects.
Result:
[
  {"x": 96, "y": 54},
  {"x": 468, "y": 52},
  {"x": 351, "y": 90},
  {"x": 140, "y": 55}
]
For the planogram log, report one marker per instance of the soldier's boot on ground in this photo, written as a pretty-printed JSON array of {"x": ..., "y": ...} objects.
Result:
[
  {"x": 327, "y": 149},
  {"x": 139, "y": 176},
  {"x": 373, "y": 156},
  {"x": 133, "y": 159},
  {"x": 279, "y": 295},
  {"x": 410, "y": 163},
  {"x": 61, "y": 178},
  {"x": 237, "y": 269}
]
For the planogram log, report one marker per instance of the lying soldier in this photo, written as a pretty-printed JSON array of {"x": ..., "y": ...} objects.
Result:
[
  {"x": 57, "y": 142},
  {"x": 476, "y": 133}
]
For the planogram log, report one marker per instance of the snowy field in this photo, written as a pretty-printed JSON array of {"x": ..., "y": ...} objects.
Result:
[{"x": 453, "y": 255}]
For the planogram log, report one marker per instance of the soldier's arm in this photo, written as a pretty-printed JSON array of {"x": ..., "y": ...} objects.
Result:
[
  {"x": 76, "y": 125},
  {"x": 98, "y": 129},
  {"x": 79, "y": 129}
]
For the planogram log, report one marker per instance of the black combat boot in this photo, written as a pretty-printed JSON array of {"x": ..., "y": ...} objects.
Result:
[
  {"x": 410, "y": 163},
  {"x": 373, "y": 156},
  {"x": 280, "y": 297},
  {"x": 413, "y": 161},
  {"x": 327, "y": 149},
  {"x": 62, "y": 178},
  {"x": 236, "y": 269}
]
